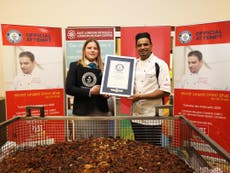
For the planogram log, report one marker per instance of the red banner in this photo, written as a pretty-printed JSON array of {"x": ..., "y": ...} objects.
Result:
[
  {"x": 208, "y": 110},
  {"x": 160, "y": 37},
  {"x": 35, "y": 76},
  {"x": 202, "y": 89},
  {"x": 19, "y": 35},
  {"x": 210, "y": 33},
  {"x": 34, "y": 132},
  {"x": 51, "y": 99},
  {"x": 85, "y": 33}
]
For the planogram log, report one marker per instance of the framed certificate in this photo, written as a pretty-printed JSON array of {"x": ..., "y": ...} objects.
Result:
[{"x": 118, "y": 75}]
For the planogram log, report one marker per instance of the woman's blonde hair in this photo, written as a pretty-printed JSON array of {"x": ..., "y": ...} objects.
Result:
[{"x": 98, "y": 60}]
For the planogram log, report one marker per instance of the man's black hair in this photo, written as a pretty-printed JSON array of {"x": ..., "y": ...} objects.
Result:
[
  {"x": 143, "y": 35},
  {"x": 196, "y": 53},
  {"x": 28, "y": 54}
]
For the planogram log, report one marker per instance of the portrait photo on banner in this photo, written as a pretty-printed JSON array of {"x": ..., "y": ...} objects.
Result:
[
  {"x": 31, "y": 68},
  {"x": 203, "y": 67}
]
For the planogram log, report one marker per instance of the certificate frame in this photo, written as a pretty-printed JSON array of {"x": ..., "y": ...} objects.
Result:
[{"x": 118, "y": 76}]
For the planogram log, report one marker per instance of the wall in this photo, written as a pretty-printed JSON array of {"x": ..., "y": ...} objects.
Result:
[{"x": 63, "y": 13}]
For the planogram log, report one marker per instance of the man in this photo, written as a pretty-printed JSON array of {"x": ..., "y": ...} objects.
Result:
[
  {"x": 31, "y": 76},
  {"x": 199, "y": 75},
  {"x": 148, "y": 90}
]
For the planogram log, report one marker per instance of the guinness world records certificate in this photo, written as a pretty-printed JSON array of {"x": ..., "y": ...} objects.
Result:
[{"x": 118, "y": 75}]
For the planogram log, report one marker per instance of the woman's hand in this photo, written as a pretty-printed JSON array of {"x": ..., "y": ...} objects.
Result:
[
  {"x": 95, "y": 90},
  {"x": 106, "y": 95}
]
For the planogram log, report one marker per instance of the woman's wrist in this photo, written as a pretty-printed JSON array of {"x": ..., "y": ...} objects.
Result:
[{"x": 90, "y": 93}]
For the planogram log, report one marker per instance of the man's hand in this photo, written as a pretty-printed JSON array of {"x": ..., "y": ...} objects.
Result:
[{"x": 135, "y": 97}]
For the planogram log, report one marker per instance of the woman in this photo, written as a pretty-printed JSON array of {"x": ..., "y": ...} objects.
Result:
[{"x": 83, "y": 82}]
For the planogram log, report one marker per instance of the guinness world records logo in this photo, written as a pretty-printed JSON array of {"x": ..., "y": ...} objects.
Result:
[
  {"x": 89, "y": 79},
  {"x": 119, "y": 67},
  {"x": 185, "y": 36},
  {"x": 14, "y": 36}
]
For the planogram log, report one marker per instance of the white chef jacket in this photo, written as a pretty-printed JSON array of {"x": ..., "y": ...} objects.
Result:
[
  {"x": 35, "y": 80},
  {"x": 146, "y": 82},
  {"x": 200, "y": 80}
]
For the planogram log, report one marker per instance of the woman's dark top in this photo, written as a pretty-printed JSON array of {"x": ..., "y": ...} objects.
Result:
[{"x": 78, "y": 83}]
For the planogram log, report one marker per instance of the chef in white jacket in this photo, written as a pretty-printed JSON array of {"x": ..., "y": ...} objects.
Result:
[
  {"x": 31, "y": 76},
  {"x": 199, "y": 75}
]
